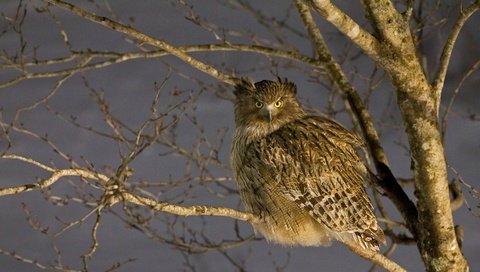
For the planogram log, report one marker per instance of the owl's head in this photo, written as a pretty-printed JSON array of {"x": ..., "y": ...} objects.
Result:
[{"x": 266, "y": 105}]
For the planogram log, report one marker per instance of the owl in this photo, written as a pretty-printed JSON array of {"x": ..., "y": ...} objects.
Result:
[{"x": 299, "y": 173}]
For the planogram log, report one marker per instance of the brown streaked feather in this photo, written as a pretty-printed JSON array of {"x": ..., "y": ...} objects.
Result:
[
  {"x": 330, "y": 186},
  {"x": 300, "y": 173}
]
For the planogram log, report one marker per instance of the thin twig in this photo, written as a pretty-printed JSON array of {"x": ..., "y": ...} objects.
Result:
[
  {"x": 115, "y": 58},
  {"x": 456, "y": 91},
  {"x": 38, "y": 264},
  {"x": 439, "y": 78},
  {"x": 147, "y": 39}
]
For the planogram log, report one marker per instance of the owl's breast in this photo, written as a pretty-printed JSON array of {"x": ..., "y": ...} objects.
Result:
[{"x": 284, "y": 221}]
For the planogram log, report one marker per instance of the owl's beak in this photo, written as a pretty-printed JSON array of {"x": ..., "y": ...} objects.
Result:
[{"x": 269, "y": 112}]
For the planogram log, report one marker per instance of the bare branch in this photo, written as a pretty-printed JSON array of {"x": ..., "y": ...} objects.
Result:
[
  {"x": 88, "y": 59},
  {"x": 348, "y": 27},
  {"x": 389, "y": 24},
  {"x": 456, "y": 91},
  {"x": 147, "y": 39},
  {"x": 419, "y": 110},
  {"x": 56, "y": 175},
  {"x": 27, "y": 160},
  {"x": 388, "y": 181},
  {"x": 439, "y": 78},
  {"x": 190, "y": 210},
  {"x": 93, "y": 234},
  {"x": 375, "y": 257},
  {"x": 121, "y": 195},
  {"x": 49, "y": 267}
]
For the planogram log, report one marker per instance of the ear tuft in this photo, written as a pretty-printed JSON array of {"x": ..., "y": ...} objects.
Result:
[
  {"x": 288, "y": 85},
  {"x": 246, "y": 85}
]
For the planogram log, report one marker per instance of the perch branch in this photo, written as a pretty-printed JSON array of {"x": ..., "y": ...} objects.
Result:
[
  {"x": 188, "y": 210},
  {"x": 121, "y": 195},
  {"x": 375, "y": 257}
]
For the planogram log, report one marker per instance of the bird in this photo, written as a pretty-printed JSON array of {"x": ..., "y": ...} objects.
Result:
[{"x": 300, "y": 174}]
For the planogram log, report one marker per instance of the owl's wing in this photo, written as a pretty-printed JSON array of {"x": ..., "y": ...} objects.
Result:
[{"x": 315, "y": 164}]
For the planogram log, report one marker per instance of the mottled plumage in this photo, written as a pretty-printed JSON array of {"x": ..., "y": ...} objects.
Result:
[{"x": 301, "y": 174}]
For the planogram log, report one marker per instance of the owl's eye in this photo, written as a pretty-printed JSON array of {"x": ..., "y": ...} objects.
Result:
[
  {"x": 259, "y": 105},
  {"x": 278, "y": 104}
]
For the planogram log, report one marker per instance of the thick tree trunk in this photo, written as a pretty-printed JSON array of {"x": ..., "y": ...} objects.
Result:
[
  {"x": 435, "y": 230},
  {"x": 393, "y": 48}
]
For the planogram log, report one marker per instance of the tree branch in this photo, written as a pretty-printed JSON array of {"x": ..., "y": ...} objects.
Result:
[
  {"x": 119, "y": 195},
  {"x": 56, "y": 175},
  {"x": 375, "y": 257},
  {"x": 415, "y": 97},
  {"x": 115, "y": 194},
  {"x": 456, "y": 91},
  {"x": 388, "y": 182},
  {"x": 189, "y": 210},
  {"x": 390, "y": 25},
  {"x": 439, "y": 78},
  {"x": 115, "y": 58},
  {"x": 147, "y": 39},
  {"x": 349, "y": 27}
]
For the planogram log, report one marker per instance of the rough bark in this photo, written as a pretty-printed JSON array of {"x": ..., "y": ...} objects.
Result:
[
  {"x": 436, "y": 232},
  {"x": 395, "y": 51},
  {"x": 387, "y": 180}
]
